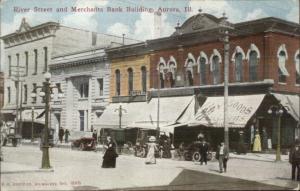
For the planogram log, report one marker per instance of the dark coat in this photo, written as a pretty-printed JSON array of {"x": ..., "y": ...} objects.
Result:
[
  {"x": 203, "y": 148},
  {"x": 294, "y": 155},
  {"x": 109, "y": 158}
]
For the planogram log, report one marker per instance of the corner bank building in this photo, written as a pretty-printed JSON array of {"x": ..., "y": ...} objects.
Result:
[{"x": 264, "y": 81}]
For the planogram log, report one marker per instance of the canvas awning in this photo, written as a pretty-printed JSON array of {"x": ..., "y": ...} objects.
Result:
[
  {"x": 240, "y": 110},
  {"x": 290, "y": 103},
  {"x": 27, "y": 115},
  {"x": 143, "y": 114}
]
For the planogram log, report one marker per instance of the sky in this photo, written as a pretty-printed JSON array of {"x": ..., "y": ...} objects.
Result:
[{"x": 139, "y": 25}]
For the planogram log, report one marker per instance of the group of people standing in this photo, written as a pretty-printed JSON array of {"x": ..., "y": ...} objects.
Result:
[{"x": 63, "y": 133}]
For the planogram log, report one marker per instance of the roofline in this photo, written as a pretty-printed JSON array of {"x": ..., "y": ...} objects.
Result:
[
  {"x": 32, "y": 28},
  {"x": 267, "y": 19}
]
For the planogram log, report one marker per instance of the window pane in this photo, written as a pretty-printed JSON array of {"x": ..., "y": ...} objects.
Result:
[
  {"x": 281, "y": 67},
  {"x": 202, "y": 71},
  {"x": 253, "y": 66},
  {"x": 130, "y": 81},
  {"x": 118, "y": 84},
  {"x": 216, "y": 69},
  {"x": 238, "y": 67},
  {"x": 144, "y": 80}
]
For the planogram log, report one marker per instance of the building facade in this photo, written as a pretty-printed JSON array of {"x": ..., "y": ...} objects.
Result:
[
  {"x": 28, "y": 53},
  {"x": 84, "y": 80},
  {"x": 263, "y": 60}
]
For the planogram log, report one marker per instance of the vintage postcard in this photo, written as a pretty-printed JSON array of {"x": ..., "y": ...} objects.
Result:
[{"x": 149, "y": 95}]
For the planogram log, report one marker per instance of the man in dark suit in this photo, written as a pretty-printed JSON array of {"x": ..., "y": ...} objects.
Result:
[
  {"x": 294, "y": 159},
  {"x": 203, "y": 152}
]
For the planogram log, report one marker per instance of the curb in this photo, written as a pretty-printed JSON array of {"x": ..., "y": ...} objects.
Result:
[{"x": 27, "y": 171}]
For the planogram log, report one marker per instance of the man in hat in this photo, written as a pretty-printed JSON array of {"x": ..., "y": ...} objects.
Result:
[{"x": 294, "y": 159}]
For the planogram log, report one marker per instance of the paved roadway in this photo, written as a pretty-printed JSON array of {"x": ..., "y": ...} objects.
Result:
[{"x": 81, "y": 170}]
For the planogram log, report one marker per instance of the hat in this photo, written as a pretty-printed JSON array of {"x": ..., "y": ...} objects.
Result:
[{"x": 152, "y": 139}]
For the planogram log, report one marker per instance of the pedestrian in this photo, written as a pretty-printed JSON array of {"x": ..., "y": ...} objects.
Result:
[
  {"x": 61, "y": 133},
  {"x": 294, "y": 159},
  {"x": 95, "y": 135},
  {"x": 257, "y": 143},
  {"x": 203, "y": 152},
  {"x": 222, "y": 155},
  {"x": 110, "y": 155},
  {"x": 67, "y": 133},
  {"x": 151, "y": 151}
]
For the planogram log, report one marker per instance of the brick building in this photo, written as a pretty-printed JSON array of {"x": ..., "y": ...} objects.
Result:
[{"x": 264, "y": 60}]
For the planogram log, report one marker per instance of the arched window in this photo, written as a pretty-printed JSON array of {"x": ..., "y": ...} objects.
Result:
[
  {"x": 202, "y": 71},
  {"x": 130, "y": 81},
  {"x": 253, "y": 65},
  {"x": 144, "y": 79},
  {"x": 297, "y": 62},
  {"x": 282, "y": 72},
  {"x": 172, "y": 68},
  {"x": 238, "y": 67},
  {"x": 118, "y": 82},
  {"x": 190, "y": 80},
  {"x": 216, "y": 69}
]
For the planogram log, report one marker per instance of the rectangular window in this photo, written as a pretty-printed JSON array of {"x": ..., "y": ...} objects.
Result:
[
  {"x": 35, "y": 61},
  {"x": 100, "y": 83},
  {"x": 45, "y": 59},
  {"x": 26, "y": 63},
  {"x": 34, "y": 91},
  {"x": 9, "y": 65},
  {"x": 8, "y": 95},
  {"x": 25, "y": 94},
  {"x": 81, "y": 119},
  {"x": 84, "y": 90}
]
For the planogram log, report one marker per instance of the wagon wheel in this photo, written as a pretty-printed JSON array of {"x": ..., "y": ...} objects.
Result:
[
  {"x": 81, "y": 147},
  {"x": 196, "y": 157}
]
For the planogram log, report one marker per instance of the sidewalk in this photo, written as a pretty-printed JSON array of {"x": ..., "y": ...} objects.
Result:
[
  {"x": 12, "y": 168},
  {"x": 266, "y": 157}
]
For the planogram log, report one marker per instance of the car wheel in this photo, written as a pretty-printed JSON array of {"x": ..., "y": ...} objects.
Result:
[
  {"x": 196, "y": 156},
  {"x": 81, "y": 147}
]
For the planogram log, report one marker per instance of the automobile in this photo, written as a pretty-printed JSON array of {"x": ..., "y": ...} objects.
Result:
[
  {"x": 191, "y": 152},
  {"x": 84, "y": 144}
]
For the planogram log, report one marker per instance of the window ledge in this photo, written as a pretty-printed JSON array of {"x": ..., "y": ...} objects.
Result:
[
  {"x": 298, "y": 85},
  {"x": 282, "y": 83}
]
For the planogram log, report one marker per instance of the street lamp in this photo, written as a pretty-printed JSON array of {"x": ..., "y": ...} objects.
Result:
[
  {"x": 120, "y": 110},
  {"x": 277, "y": 110},
  {"x": 47, "y": 90}
]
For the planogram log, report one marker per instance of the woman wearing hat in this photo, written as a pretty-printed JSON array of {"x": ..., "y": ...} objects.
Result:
[
  {"x": 109, "y": 158},
  {"x": 151, "y": 151}
]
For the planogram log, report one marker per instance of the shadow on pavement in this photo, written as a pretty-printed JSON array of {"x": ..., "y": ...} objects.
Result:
[{"x": 194, "y": 180}]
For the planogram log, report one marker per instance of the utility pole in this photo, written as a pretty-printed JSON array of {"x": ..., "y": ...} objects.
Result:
[
  {"x": 120, "y": 110},
  {"x": 226, "y": 74}
]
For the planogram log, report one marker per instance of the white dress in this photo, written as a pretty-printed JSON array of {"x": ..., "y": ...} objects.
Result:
[{"x": 151, "y": 153}]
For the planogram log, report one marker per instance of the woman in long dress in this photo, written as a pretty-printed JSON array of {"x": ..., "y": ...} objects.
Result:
[
  {"x": 257, "y": 143},
  {"x": 110, "y": 155},
  {"x": 151, "y": 151}
]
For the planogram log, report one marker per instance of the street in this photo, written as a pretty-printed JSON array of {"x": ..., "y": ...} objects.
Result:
[{"x": 81, "y": 170}]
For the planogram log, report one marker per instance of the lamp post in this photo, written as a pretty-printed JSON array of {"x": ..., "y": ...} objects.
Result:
[
  {"x": 32, "y": 121},
  {"x": 277, "y": 110},
  {"x": 120, "y": 110},
  {"x": 46, "y": 92}
]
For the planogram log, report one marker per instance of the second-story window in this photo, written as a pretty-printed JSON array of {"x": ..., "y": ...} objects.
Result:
[
  {"x": 100, "y": 85},
  {"x": 25, "y": 94},
  {"x": 9, "y": 65},
  {"x": 144, "y": 79},
  {"x": 8, "y": 95},
  {"x": 45, "y": 59},
  {"x": 238, "y": 67},
  {"x": 190, "y": 79},
  {"x": 216, "y": 70},
  {"x": 297, "y": 62},
  {"x": 202, "y": 71},
  {"x": 26, "y": 63},
  {"x": 118, "y": 82},
  {"x": 130, "y": 81},
  {"x": 35, "y": 61},
  {"x": 84, "y": 90},
  {"x": 253, "y": 62},
  {"x": 282, "y": 72},
  {"x": 34, "y": 91}
]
